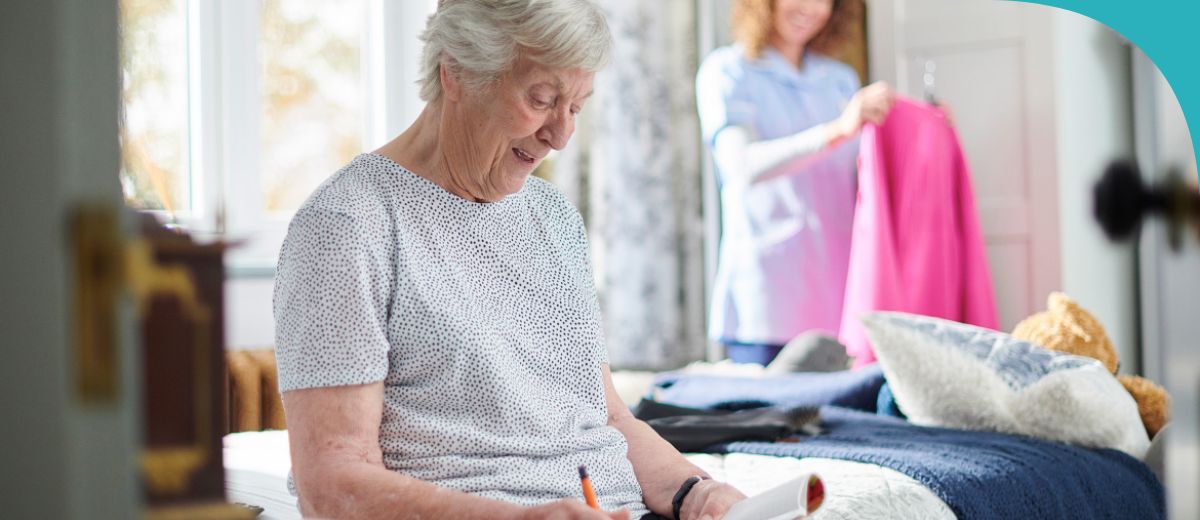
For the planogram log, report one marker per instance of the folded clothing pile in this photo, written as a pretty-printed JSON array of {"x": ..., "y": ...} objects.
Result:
[
  {"x": 857, "y": 389},
  {"x": 691, "y": 429}
]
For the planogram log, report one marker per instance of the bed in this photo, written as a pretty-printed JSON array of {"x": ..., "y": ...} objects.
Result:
[
  {"x": 257, "y": 462},
  {"x": 256, "y": 468},
  {"x": 873, "y": 466},
  {"x": 993, "y": 481}
]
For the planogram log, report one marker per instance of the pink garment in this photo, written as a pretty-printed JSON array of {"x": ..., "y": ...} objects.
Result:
[{"x": 916, "y": 245}]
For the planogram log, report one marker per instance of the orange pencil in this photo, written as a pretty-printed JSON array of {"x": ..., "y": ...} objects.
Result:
[{"x": 588, "y": 494}]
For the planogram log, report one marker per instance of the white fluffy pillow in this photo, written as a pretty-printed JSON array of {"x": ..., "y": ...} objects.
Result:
[{"x": 948, "y": 374}]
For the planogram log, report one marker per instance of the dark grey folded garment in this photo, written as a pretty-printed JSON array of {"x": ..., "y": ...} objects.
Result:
[
  {"x": 810, "y": 352},
  {"x": 692, "y": 429}
]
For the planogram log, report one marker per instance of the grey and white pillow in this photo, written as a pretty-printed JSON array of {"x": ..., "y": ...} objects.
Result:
[{"x": 949, "y": 374}]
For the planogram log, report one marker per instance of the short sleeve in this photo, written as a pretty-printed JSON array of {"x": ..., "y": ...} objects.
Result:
[
  {"x": 722, "y": 98},
  {"x": 332, "y": 290},
  {"x": 590, "y": 323}
]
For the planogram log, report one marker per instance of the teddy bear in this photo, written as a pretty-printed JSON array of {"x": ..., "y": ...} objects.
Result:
[{"x": 1067, "y": 327}]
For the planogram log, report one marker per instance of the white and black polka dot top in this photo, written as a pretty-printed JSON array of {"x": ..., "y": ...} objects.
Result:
[{"x": 481, "y": 319}]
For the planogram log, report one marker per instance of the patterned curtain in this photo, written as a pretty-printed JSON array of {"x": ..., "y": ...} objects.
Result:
[{"x": 633, "y": 169}]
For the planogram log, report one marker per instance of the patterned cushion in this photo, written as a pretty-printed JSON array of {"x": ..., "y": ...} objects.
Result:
[{"x": 948, "y": 374}]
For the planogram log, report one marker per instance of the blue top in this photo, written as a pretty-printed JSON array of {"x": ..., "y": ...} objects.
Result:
[{"x": 785, "y": 241}]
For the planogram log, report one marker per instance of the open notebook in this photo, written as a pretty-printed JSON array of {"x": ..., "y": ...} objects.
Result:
[{"x": 796, "y": 498}]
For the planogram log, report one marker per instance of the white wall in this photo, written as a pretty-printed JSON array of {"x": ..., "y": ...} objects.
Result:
[
  {"x": 1094, "y": 126},
  {"x": 249, "y": 319}
]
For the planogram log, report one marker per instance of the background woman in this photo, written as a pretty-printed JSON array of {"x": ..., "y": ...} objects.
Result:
[{"x": 780, "y": 117}]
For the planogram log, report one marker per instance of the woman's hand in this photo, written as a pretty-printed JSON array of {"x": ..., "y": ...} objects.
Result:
[
  {"x": 569, "y": 510},
  {"x": 946, "y": 111},
  {"x": 709, "y": 500},
  {"x": 870, "y": 104}
]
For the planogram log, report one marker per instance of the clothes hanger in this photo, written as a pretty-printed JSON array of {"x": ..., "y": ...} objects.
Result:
[{"x": 929, "y": 91}]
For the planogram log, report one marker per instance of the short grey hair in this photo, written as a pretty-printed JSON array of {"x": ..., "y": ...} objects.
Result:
[{"x": 481, "y": 39}]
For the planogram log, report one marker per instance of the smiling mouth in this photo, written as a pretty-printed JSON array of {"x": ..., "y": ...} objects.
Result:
[
  {"x": 800, "y": 21},
  {"x": 522, "y": 156}
]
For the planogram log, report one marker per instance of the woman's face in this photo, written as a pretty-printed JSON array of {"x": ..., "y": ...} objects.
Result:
[
  {"x": 509, "y": 128},
  {"x": 798, "y": 21}
]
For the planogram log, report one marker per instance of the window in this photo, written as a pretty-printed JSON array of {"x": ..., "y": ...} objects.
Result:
[
  {"x": 312, "y": 95},
  {"x": 154, "y": 137},
  {"x": 235, "y": 110}
]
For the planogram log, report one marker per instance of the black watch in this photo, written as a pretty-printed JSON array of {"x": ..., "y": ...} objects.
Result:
[{"x": 677, "y": 502}]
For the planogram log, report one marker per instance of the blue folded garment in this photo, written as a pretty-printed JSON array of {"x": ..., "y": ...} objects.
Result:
[
  {"x": 858, "y": 389},
  {"x": 985, "y": 475}
]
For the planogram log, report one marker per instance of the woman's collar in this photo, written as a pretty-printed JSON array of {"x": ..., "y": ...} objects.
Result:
[{"x": 777, "y": 62}]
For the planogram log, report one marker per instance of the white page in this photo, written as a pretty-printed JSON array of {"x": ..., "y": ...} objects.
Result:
[{"x": 783, "y": 502}]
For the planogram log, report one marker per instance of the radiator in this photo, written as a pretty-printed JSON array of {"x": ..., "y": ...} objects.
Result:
[{"x": 253, "y": 391}]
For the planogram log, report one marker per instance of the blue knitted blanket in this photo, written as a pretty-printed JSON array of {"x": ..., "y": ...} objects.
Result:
[{"x": 985, "y": 475}]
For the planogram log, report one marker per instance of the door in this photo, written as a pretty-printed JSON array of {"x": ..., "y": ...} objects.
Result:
[
  {"x": 1170, "y": 281},
  {"x": 989, "y": 61},
  {"x": 68, "y": 428}
]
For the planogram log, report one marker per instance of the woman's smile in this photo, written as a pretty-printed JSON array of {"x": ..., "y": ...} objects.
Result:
[{"x": 524, "y": 156}]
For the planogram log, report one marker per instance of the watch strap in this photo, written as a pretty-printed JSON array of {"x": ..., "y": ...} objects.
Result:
[{"x": 677, "y": 502}]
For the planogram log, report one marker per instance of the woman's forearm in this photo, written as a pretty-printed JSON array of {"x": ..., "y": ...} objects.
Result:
[
  {"x": 660, "y": 468},
  {"x": 333, "y": 435},
  {"x": 362, "y": 490},
  {"x": 742, "y": 158}
]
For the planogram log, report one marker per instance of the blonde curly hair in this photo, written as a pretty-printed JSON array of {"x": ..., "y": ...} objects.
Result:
[{"x": 753, "y": 20}]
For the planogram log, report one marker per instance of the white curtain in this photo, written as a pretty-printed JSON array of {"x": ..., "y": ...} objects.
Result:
[{"x": 634, "y": 170}]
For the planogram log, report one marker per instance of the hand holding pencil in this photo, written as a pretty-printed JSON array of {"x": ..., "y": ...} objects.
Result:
[
  {"x": 571, "y": 509},
  {"x": 589, "y": 495}
]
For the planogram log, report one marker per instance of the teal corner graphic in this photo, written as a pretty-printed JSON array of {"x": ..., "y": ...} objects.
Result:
[{"x": 1168, "y": 31}]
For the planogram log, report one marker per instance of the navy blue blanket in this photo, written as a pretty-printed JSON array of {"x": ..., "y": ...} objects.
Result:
[
  {"x": 985, "y": 475},
  {"x": 858, "y": 389}
]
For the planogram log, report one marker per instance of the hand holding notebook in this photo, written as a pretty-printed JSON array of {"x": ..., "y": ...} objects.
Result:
[{"x": 796, "y": 498}]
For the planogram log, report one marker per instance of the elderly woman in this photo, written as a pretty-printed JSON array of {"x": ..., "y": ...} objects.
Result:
[{"x": 439, "y": 338}]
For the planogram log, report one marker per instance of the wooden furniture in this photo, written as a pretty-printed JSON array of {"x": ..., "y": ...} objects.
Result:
[{"x": 178, "y": 287}]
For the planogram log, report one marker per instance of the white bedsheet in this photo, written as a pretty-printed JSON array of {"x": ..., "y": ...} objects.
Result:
[
  {"x": 256, "y": 468},
  {"x": 853, "y": 490}
]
